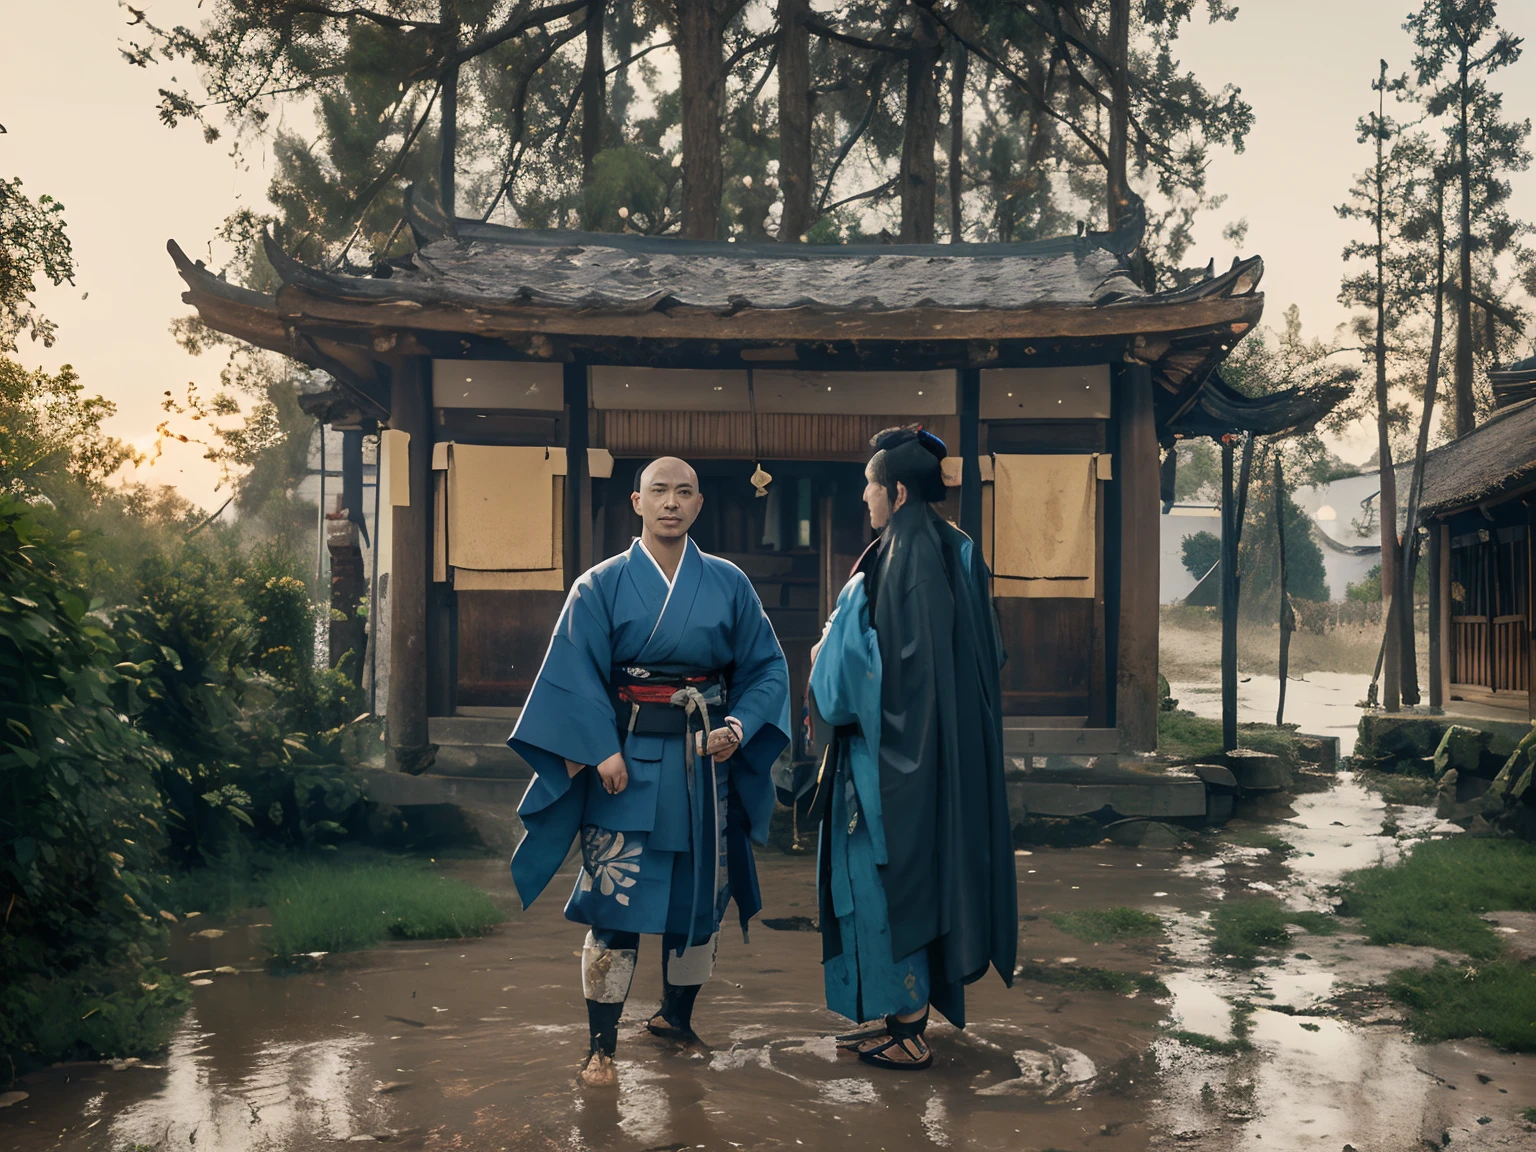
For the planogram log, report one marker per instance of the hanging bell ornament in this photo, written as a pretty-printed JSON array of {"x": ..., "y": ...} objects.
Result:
[{"x": 761, "y": 480}]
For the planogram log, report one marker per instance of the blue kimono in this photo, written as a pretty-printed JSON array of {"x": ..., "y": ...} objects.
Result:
[
  {"x": 862, "y": 979},
  {"x": 651, "y": 858}
]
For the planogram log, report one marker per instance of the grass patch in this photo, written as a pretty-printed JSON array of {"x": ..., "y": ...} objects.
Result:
[
  {"x": 1242, "y": 928},
  {"x": 1208, "y": 1043},
  {"x": 1185, "y": 736},
  {"x": 1529, "y": 1115},
  {"x": 1096, "y": 925},
  {"x": 343, "y": 907},
  {"x": 1258, "y": 838},
  {"x": 1093, "y": 979},
  {"x": 1434, "y": 894},
  {"x": 1394, "y": 788},
  {"x": 1495, "y": 1002}
]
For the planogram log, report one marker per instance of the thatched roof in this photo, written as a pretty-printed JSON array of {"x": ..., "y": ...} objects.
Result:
[{"x": 1494, "y": 459}]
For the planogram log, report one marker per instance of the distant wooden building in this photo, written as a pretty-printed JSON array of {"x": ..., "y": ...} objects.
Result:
[
  {"x": 522, "y": 377},
  {"x": 1479, "y": 507}
]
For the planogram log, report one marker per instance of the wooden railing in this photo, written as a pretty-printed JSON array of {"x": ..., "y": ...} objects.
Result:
[{"x": 1492, "y": 654}]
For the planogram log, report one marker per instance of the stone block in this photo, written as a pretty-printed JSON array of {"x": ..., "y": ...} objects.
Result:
[
  {"x": 1218, "y": 807},
  {"x": 1321, "y": 751},
  {"x": 1146, "y": 834},
  {"x": 1461, "y": 748},
  {"x": 1057, "y": 832},
  {"x": 1385, "y": 739},
  {"x": 1216, "y": 778},
  {"x": 1257, "y": 771}
]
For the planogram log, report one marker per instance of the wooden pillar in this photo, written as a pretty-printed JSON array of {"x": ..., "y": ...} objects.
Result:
[
  {"x": 1230, "y": 523},
  {"x": 1436, "y": 560},
  {"x": 411, "y": 555},
  {"x": 970, "y": 453},
  {"x": 1530, "y": 609},
  {"x": 578, "y": 480},
  {"x": 1136, "y": 468}
]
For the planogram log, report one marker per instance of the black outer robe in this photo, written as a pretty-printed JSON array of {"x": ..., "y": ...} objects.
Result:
[{"x": 950, "y": 884}]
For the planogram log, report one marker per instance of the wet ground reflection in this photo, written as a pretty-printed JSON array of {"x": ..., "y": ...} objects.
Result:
[{"x": 472, "y": 1045}]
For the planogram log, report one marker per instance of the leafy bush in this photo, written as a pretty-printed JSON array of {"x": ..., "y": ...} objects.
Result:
[
  {"x": 1201, "y": 551},
  {"x": 81, "y": 818}
]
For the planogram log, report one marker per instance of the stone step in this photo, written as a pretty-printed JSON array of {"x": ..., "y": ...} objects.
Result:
[
  {"x": 1125, "y": 792},
  {"x": 485, "y": 761},
  {"x": 489, "y": 806},
  {"x": 470, "y": 730}
]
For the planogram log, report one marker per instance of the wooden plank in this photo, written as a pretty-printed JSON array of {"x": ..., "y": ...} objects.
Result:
[
  {"x": 578, "y": 484},
  {"x": 1438, "y": 605},
  {"x": 463, "y": 426},
  {"x": 1051, "y": 741},
  {"x": 1047, "y": 437},
  {"x": 1136, "y": 697},
  {"x": 411, "y": 557},
  {"x": 1050, "y": 656},
  {"x": 970, "y": 462},
  {"x": 729, "y": 435},
  {"x": 1236, "y": 314},
  {"x": 502, "y": 639}
]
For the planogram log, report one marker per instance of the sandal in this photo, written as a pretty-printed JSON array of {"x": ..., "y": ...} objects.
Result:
[
  {"x": 658, "y": 1026},
  {"x": 908, "y": 1036}
]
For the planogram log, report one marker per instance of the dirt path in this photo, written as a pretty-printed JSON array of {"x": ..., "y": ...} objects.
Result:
[{"x": 472, "y": 1045}]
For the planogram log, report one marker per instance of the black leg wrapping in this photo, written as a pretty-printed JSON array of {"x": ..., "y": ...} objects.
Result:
[{"x": 603, "y": 1020}]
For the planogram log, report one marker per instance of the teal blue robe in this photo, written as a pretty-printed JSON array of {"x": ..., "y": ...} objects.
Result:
[{"x": 863, "y": 981}]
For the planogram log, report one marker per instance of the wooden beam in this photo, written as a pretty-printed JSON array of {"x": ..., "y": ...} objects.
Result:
[
  {"x": 1230, "y": 525},
  {"x": 1438, "y": 574},
  {"x": 970, "y": 460},
  {"x": 298, "y": 305},
  {"x": 411, "y": 555},
  {"x": 578, "y": 481},
  {"x": 1136, "y": 474}
]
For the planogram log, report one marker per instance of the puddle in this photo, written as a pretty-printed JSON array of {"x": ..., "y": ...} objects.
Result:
[
  {"x": 1323, "y": 703},
  {"x": 473, "y": 1044}
]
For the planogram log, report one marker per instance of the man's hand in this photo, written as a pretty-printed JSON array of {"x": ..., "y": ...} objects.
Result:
[
  {"x": 723, "y": 742},
  {"x": 614, "y": 774}
]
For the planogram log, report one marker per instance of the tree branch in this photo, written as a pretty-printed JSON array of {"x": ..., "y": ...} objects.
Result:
[
  {"x": 876, "y": 81},
  {"x": 827, "y": 32},
  {"x": 866, "y": 195}
]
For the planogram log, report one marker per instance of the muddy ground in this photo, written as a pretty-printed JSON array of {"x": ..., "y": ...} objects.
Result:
[{"x": 472, "y": 1045}]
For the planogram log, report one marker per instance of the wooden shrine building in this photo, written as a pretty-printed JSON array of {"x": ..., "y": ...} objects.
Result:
[
  {"x": 1479, "y": 509},
  {"x": 522, "y": 377}
]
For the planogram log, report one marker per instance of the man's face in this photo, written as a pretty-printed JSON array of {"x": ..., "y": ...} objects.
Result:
[
  {"x": 879, "y": 501},
  {"x": 669, "y": 499}
]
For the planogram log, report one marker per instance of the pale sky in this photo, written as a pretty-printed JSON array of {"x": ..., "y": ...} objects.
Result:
[{"x": 82, "y": 127}]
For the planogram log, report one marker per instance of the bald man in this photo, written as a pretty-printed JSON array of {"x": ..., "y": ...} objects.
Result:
[{"x": 651, "y": 728}]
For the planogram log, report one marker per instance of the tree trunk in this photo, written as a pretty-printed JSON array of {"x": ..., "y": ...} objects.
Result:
[
  {"x": 1407, "y": 652},
  {"x": 959, "y": 66},
  {"x": 1120, "y": 106},
  {"x": 593, "y": 109},
  {"x": 918, "y": 171},
  {"x": 794, "y": 120},
  {"x": 1287, "y": 617},
  {"x": 1465, "y": 416},
  {"x": 700, "y": 50},
  {"x": 1230, "y": 522},
  {"x": 1387, "y": 501},
  {"x": 448, "y": 110},
  {"x": 623, "y": 92}
]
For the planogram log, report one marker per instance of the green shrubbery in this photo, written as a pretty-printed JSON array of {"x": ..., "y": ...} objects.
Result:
[
  {"x": 170, "y": 732},
  {"x": 82, "y": 822}
]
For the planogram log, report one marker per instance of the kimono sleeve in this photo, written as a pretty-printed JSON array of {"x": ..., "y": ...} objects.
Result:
[
  {"x": 759, "y": 689},
  {"x": 569, "y": 714}
]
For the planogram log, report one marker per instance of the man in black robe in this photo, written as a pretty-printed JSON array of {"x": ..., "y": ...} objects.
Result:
[{"x": 917, "y": 881}]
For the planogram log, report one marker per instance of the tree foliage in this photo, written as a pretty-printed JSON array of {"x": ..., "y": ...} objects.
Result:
[
  {"x": 506, "y": 98},
  {"x": 33, "y": 243}
]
